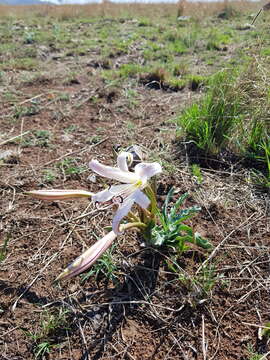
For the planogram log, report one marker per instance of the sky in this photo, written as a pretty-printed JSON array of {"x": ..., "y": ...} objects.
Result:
[{"x": 129, "y": 1}]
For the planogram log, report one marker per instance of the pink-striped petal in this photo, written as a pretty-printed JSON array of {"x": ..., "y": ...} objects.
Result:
[
  {"x": 146, "y": 170},
  {"x": 84, "y": 261},
  {"x": 141, "y": 199},
  {"x": 114, "y": 173},
  {"x": 55, "y": 194},
  {"x": 121, "y": 191},
  {"x": 138, "y": 197},
  {"x": 102, "y": 196},
  {"x": 122, "y": 211}
]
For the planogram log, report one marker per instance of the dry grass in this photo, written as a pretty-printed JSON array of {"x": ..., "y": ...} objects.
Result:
[
  {"x": 199, "y": 305},
  {"x": 65, "y": 12},
  {"x": 203, "y": 9}
]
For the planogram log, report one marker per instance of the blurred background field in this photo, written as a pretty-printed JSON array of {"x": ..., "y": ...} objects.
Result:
[{"x": 107, "y": 8}]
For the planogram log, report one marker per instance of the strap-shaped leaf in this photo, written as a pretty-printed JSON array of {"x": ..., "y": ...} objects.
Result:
[
  {"x": 178, "y": 203},
  {"x": 203, "y": 243},
  {"x": 185, "y": 214},
  {"x": 166, "y": 203},
  {"x": 182, "y": 240},
  {"x": 158, "y": 236},
  {"x": 185, "y": 228}
]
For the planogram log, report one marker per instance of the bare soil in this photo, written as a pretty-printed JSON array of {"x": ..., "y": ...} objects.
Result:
[{"x": 149, "y": 311}]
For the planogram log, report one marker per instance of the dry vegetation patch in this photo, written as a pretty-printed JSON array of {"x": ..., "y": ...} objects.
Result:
[{"x": 74, "y": 84}]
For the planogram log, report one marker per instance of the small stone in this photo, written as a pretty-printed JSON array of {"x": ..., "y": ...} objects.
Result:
[
  {"x": 4, "y": 155},
  {"x": 183, "y": 18},
  {"x": 9, "y": 156},
  {"x": 92, "y": 178},
  {"x": 246, "y": 27},
  {"x": 97, "y": 317},
  {"x": 67, "y": 137}
]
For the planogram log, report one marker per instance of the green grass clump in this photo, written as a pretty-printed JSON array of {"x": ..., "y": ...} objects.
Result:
[
  {"x": 265, "y": 51},
  {"x": 176, "y": 84},
  {"x": 144, "y": 22},
  {"x": 196, "y": 82},
  {"x": 210, "y": 122},
  {"x": 53, "y": 324},
  {"x": 28, "y": 63},
  {"x": 262, "y": 180},
  {"x": 105, "y": 268},
  {"x": 218, "y": 40},
  {"x": 233, "y": 116},
  {"x": 129, "y": 70},
  {"x": 39, "y": 138},
  {"x": 3, "y": 248},
  {"x": 70, "y": 167}
]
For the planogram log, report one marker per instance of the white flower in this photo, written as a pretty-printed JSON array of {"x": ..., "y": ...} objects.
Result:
[{"x": 131, "y": 191}]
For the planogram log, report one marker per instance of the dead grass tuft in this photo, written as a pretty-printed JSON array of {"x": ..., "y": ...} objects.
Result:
[{"x": 197, "y": 10}]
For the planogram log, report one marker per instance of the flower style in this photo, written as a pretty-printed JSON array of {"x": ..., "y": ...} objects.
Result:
[{"x": 128, "y": 193}]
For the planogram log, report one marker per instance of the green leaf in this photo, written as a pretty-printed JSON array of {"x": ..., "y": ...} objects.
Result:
[
  {"x": 182, "y": 240},
  {"x": 166, "y": 203},
  {"x": 185, "y": 228},
  {"x": 149, "y": 231},
  {"x": 203, "y": 243},
  {"x": 266, "y": 330},
  {"x": 185, "y": 214},
  {"x": 158, "y": 236},
  {"x": 178, "y": 203}
]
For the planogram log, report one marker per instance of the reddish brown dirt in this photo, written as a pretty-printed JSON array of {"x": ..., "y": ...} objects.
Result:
[{"x": 152, "y": 312}]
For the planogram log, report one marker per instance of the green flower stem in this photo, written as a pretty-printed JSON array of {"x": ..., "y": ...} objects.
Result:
[
  {"x": 151, "y": 195},
  {"x": 128, "y": 226},
  {"x": 155, "y": 209},
  {"x": 133, "y": 217},
  {"x": 148, "y": 213}
]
